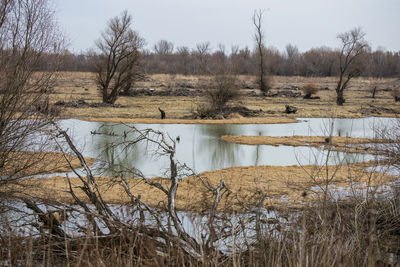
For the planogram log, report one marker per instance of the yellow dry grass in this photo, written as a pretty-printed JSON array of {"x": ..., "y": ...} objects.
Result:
[
  {"x": 197, "y": 121},
  {"x": 73, "y": 86},
  {"x": 335, "y": 143},
  {"x": 282, "y": 186},
  {"x": 34, "y": 163}
]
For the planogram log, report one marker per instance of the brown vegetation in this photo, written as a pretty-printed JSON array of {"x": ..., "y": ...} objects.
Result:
[
  {"x": 28, "y": 33},
  {"x": 30, "y": 163},
  {"x": 283, "y": 185},
  {"x": 309, "y": 90},
  {"x": 75, "y": 86},
  {"x": 334, "y": 143},
  {"x": 353, "y": 47},
  {"x": 201, "y": 60},
  {"x": 396, "y": 94},
  {"x": 117, "y": 64},
  {"x": 323, "y": 215}
]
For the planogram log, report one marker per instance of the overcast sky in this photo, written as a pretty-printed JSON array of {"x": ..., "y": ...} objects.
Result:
[{"x": 304, "y": 23}]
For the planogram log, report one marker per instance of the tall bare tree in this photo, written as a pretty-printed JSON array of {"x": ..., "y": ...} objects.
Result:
[
  {"x": 163, "y": 47},
  {"x": 116, "y": 65},
  {"x": 292, "y": 56},
  {"x": 202, "y": 54},
  {"x": 260, "y": 42},
  {"x": 353, "y": 46},
  {"x": 28, "y": 35}
]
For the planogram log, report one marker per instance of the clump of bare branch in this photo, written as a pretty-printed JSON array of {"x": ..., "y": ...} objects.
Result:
[
  {"x": 309, "y": 90},
  {"x": 353, "y": 48},
  {"x": 221, "y": 90},
  {"x": 116, "y": 65},
  {"x": 28, "y": 36}
]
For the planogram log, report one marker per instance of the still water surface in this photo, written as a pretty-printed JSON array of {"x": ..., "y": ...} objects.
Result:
[{"x": 201, "y": 148}]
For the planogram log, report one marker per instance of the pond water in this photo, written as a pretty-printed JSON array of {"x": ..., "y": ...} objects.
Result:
[{"x": 201, "y": 148}]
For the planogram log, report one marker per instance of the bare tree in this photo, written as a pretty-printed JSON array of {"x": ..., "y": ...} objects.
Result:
[
  {"x": 377, "y": 64},
  {"x": 28, "y": 35},
  {"x": 184, "y": 60},
  {"x": 353, "y": 47},
  {"x": 202, "y": 54},
  {"x": 292, "y": 58},
  {"x": 163, "y": 47},
  {"x": 224, "y": 88},
  {"x": 116, "y": 65},
  {"x": 241, "y": 61},
  {"x": 259, "y": 37}
]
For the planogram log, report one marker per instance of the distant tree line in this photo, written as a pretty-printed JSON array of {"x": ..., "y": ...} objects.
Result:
[{"x": 203, "y": 60}]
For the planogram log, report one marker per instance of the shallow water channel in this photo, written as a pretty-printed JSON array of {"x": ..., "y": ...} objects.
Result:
[{"x": 202, "y": 149}]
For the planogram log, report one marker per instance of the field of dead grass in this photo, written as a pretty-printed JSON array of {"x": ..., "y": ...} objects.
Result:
[
  {"x": 74, "y": 86},
  {"x": 289, "y": 186}
]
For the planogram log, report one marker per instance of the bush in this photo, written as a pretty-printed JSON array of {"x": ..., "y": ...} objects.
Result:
[
  {"x": 308, "y": 90},
  {"x": 222, "y": 89},
  {"x": 203, "y": 111}
]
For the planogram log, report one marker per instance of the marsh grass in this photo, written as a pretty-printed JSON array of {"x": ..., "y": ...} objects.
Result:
[
  {"x": 74, "y": 86},
  {"x": 351, "y": 234}
]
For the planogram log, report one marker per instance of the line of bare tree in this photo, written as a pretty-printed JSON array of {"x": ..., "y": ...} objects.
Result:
[{"x": 203, "y": 59}]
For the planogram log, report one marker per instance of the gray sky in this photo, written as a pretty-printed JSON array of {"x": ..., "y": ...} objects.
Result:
[{"x": 305, "y": 23}]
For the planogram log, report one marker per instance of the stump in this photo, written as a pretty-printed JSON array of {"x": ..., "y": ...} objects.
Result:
[
  {"x": 162, "y": 113},
  {"x": 290, "y": 109}
]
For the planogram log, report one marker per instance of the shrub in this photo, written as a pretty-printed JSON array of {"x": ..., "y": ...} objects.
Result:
[
  {"x": 202, "y": 111},
  {"x": 222, "y": 89},
  {"x": 218, "y": 91},
  {"x": 308, "y": 90}
]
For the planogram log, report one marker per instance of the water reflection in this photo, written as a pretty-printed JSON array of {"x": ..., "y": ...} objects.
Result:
[{"x": 201, "y": 148}]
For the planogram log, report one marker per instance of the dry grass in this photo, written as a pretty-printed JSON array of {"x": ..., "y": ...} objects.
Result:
[
  {"x": 73, "y": 86},
  {"x": 336, "y": 143},
  {"x": 31, "y": 163},
  {"x": 282, "y": 185},
  {"x": 238, "y": 120}
]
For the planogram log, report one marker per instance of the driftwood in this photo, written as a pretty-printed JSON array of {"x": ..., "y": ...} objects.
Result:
[
  {"x": 50, "y": 220},
  {"x": 290, "y": 109}
]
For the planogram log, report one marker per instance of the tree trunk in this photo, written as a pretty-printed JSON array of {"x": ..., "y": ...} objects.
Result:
[
  {"x": 340, "y": 99},
  {"x": 373, "y": 92},
  {"x": 112, "y": 97}
]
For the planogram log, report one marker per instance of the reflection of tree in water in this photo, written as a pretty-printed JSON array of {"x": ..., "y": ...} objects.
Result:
[
  {"x": 347, "y": 127},
  {"x": 200, "y": 147},
  {"x": 342, "y": 128},
  {"x": 220, "y": 153},
  {"x": 116, "y": 159},
  {"x": 257, "y": 157}
]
